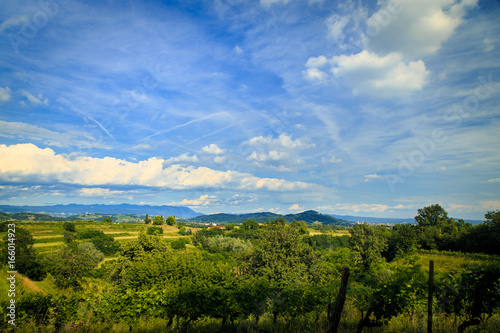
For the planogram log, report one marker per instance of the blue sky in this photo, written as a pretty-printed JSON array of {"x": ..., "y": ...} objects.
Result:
[{"x": 352, "y": 107}]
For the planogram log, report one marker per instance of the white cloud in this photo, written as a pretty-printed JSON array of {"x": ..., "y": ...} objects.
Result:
[
  {"x": 51, "y": 138},
  {"x": 202, "y": 201},
  {"x": 4, "y": 94},
  {"x": 103, "y": 192},
  {"x": 315, "y": 74},
  {"x": 494, "y": 180},
  {"x": 219, "y": 159},
  {"x": 398, "y": 35},
  {"x": 389, "y": 75},
  {"x": 414, "y": 28},
  {"x": 238, "y": 50},
  {"x": 356, "y": 208},
  {"x": 295, "y": 207},
  {"x": 282, "y": 142},
  {"x": 37, "y": 100},
  {"x": 279, "y": 153},
  {"x": 28, "y": 163},
  {"x": 336, "y": 25},
  {"x": 373, "y": 177},
  {"x": 184, "y": 158},
  {"x": 212, "y": 150}
]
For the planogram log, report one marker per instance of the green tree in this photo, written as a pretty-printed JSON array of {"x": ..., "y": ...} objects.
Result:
[
  {"x": 249, "y": 225},
  {"x": 68, "y": 226},
  {"x": 147, "y": 220},
  {"x": 433, "y": 215},
  {"x": 230, "y": 226},
  {"x": 170, "y": 220},
  {"x": 18, "y": 245},
  {"x": 155, "y": 231},
  {"x": 72, "y": 263},
  {"x": 301, "y": 227},
  {"x": 404, "y": 239},
  {"x": 158, "y": 220},
  {"x": 107, "y": 220},
  {"x": 368, "y": 242}
]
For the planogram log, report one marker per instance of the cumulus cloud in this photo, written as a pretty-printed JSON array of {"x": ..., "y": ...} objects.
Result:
[
  {"x": 277, "y": 153},
  {"x": 4, "y": 94},
  {"x": 212, "y": 150},
  {"x": 397, "y": 36},
  {"x": 295, "y": 207},
  {"x": 203, "y": 201},
  {"x": 28, "y": 163},
  {"x": 388, "y": 75},
  {"x": 37, "y": 100}
]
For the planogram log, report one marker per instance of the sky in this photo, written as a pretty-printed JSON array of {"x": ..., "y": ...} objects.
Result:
[{"x": 345, "y": 107}]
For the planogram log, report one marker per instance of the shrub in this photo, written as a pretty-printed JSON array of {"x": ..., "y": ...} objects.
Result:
[{"x": 155, "y": 231}]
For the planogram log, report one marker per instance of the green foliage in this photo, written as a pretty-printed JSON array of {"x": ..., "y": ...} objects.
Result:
[
  {"x": 249, "y": 225},
  {"x": 154, "y": 231},
  {"x": 201, "y": 237},
  {"x": 387, "y": 293},
  {"x": 147, "y": 220},
  {"x": 69, "y": 236},
  {"x": 18, "y": 247},
  {"x": 136, "y": 249},
  {"x": 471, "y": 294},
  {"x": 107, "y": 220},
  {"x": 179, "y": 243},
  {"x": 72, "y": 263},
  {"x": 158, "y": 220},
  {"x": 104, "y": 243},
  {"x": 281, "y": 255},
  {"x": 368, "y": 242},
  {"x": 68, "y": 226},
  {"x": 36, "y": 307},
  {"x": 301, "y": 227},
  {"x": 170, "y": 220},
  {"x": 403, "y": 240},
  {"x": 230, "y": 226},
  {"x": 433, "y": 215},
  {"x": 326, "y": 242},
  {"x": 220, "y": 243}
]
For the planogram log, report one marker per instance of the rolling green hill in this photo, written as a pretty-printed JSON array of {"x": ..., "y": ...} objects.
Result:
[{"x": 309, "y": 217}]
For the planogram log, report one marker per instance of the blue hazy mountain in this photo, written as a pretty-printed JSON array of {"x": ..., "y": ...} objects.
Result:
[{"x": 77, "y": 209}]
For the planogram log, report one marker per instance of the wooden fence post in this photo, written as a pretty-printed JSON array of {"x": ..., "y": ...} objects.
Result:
[
  {"x": 334, "y": 318},
  {"x": 429, "y": 298}
]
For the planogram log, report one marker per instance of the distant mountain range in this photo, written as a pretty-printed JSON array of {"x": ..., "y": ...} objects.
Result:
[
  {"x": 134, "y": 213},
  {"x": 386, "y": 220},
  {"x": 309, "y": 217},
  {"x": 77, "y": 209}
]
